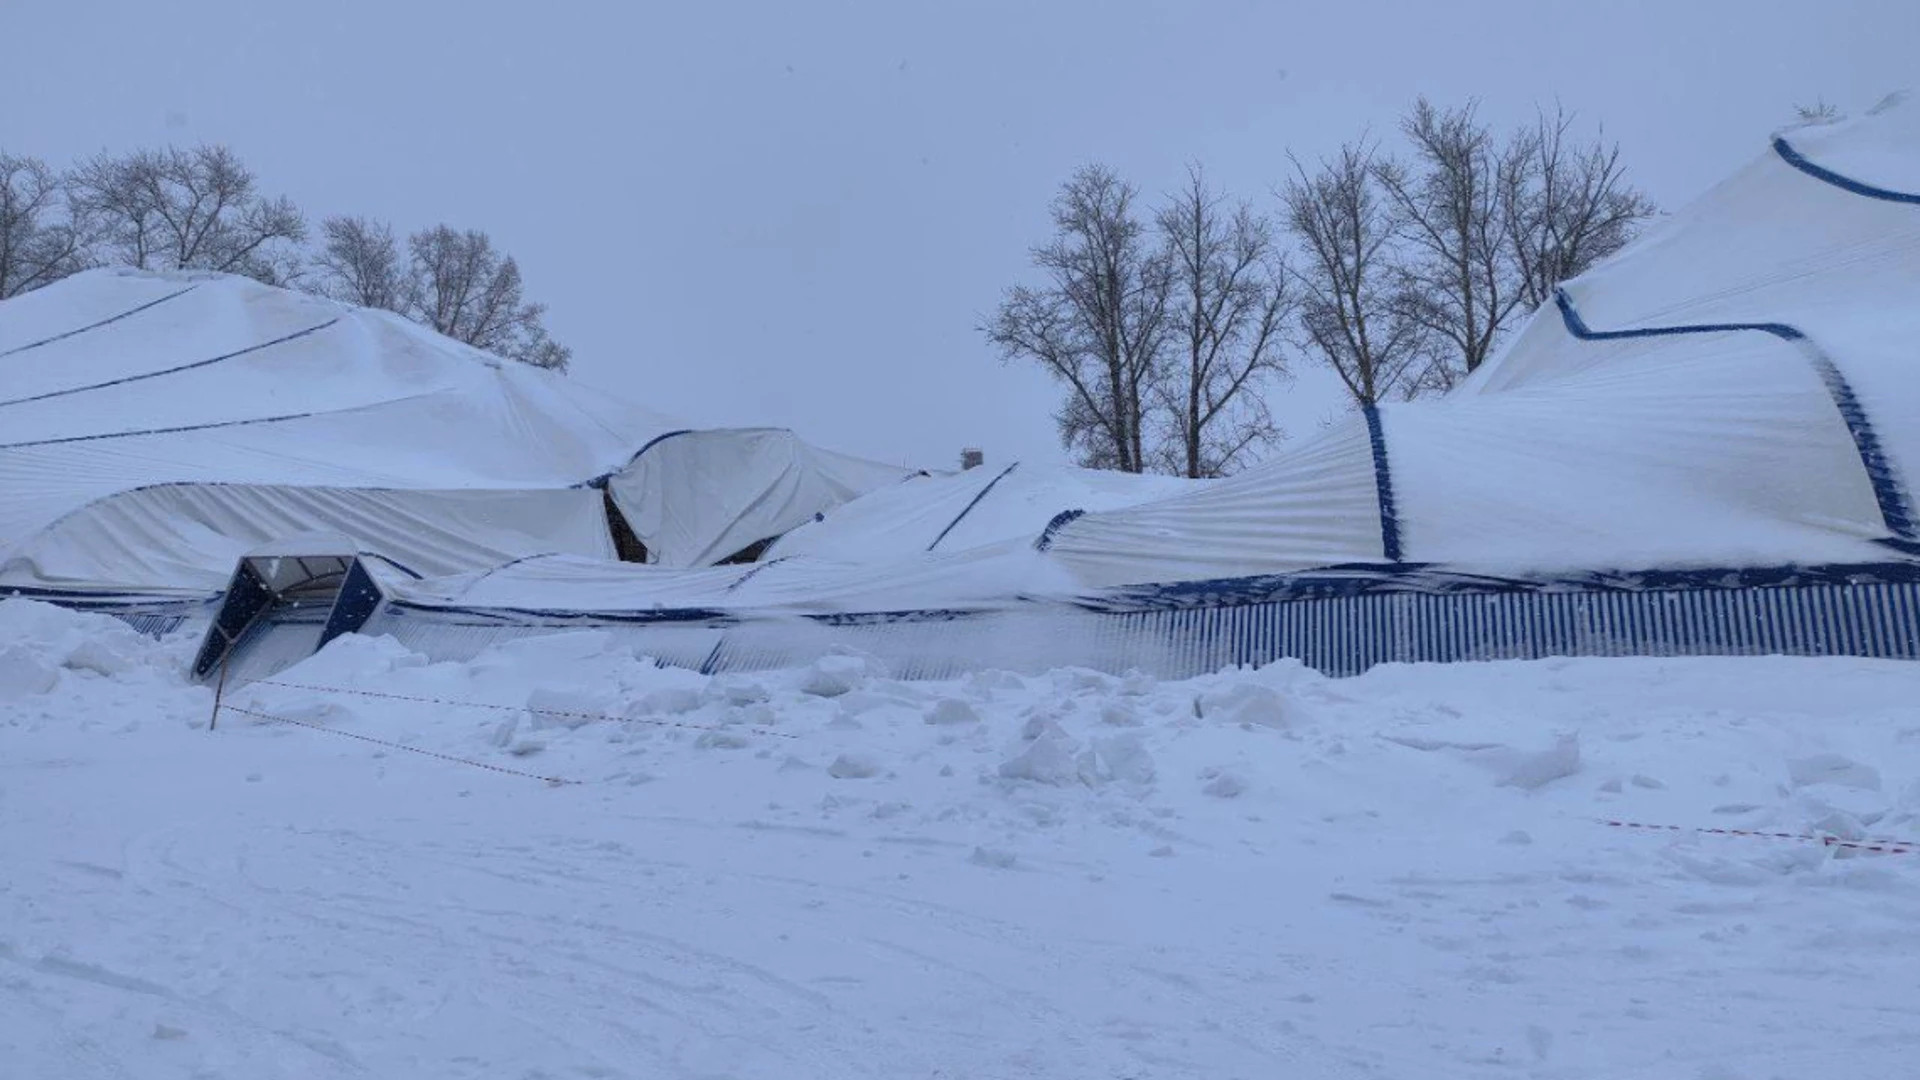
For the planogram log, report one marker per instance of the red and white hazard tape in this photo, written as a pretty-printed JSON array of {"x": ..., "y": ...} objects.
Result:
[
  {"x": 1879, "y": 847},
  {"x": 555, "y": 781}
]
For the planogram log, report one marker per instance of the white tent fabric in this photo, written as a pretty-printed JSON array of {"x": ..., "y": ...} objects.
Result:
[
  {"x": 187, "y": 537},
  {"x": 1737, "y": 389},
  {"x": 695, "y": 498},
  {"x": 114, "y": 381},
  {"x": 978, "y": 577},
  {"x": 969, "y": 509},
  {"x": 1313, "y": 506},
  {"x": 1777, "y": 244}
]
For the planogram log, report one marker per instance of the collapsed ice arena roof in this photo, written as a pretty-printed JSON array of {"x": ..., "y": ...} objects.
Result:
[
  {"x": 1705, "y": 444},
  {"x": 154, "y": 426}
]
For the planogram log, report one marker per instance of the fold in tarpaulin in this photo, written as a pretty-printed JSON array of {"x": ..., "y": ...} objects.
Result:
[
  {"x": 696, "y": 498},
  {"x": 968, "y": 509},
  {"x": 1737, "y": 388},
  {"x": 152, "y": 425},
  {"x": 187, "y": 537}
]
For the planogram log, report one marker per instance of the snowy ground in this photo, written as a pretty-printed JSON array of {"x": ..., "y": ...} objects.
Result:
[{"x": 828, "y": 874}]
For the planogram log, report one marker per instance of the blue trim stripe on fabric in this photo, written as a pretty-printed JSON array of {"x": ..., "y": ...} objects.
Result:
[
  {"x": 1846, "y": 183},
  {"x": 1578, "y": 327},
  {"x": 981, "y": 494},
  {"x": 509, "y": 615},
  {"x": 1046, "y": 535},
  {"x": 1896, "y": 508},
  {"x": 393, "y": 562},
  {"x": 172, "y": 370},
  {"x": 157, "y": 431},
  {"x": 1383, "y": 486},
  {"x": 754, "y": 569},
  {"x": 601, "y": 480},
  {"x": 97, "y": 325}
]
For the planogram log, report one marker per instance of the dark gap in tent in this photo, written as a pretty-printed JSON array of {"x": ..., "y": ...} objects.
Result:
[{"x": 626, "y": 546}]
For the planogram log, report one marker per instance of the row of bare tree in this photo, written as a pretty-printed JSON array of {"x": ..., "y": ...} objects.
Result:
[
  {"x": 201, "y": 208},
  {"x": 1401, "y": 271}
]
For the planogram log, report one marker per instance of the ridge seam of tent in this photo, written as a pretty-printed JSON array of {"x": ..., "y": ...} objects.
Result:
[
  {"x": 200, "y": 427},
  {"x": 753, "y": 570},
  {"x": 1896, "y": 508},
  {"x": 981, "y": 494},
  {"x": 1060, "y": 520},
  {"x": 602, "y": 480},
  {"x": 1845, "y": 183},
  {"x": 1383, "y": 486},
  {"x": 173, "y": 370},
  {"x": 98, "y": 325}
]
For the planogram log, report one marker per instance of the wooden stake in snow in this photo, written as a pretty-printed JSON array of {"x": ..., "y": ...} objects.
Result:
[{"x": 219, "y": 689}]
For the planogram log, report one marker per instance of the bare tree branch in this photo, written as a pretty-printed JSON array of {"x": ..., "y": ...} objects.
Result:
[
  {"x": 1229, "y": 304},
  {"x": 1100, "y": 325},
  {"x": 39, "y": 242},
  {"x": 463, "y": 287},
  {"x": 1351, "y": 313},
  {"x": 1458, "y": 275},
  {"x": 359, "y": 263},
  {"x": 1566, "y": 205},
  {"x": 191, "y": 209}
]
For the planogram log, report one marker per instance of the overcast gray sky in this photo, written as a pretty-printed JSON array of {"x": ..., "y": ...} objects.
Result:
[{"x": 797, "y": 213}]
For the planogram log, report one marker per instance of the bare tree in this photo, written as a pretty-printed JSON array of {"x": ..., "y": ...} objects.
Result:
[
  {"x": 1352, "y": 313},
  {"x": 39, "y": 243},
  {"x": 1567, "y": 204},
  {"x": 189, "y": 209},
  {"x": 360, "y": 263},
  {"x": 466, "y": 289},
  {"x": 1458, "y": 274},
  {"x": 1229, "y": 304},
  {"x": 1100, "y": 324},
  {"x": 1820, "y": 112}
]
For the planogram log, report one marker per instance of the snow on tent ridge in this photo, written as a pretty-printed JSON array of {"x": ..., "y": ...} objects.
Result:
[
  {"x": 968, "y": 509},
  {"x": 695, "y": 498},
  {"x": 158, "y": 424},
  {"x": 1733, "y": 389},
  {"x": 234, "y": 382}
]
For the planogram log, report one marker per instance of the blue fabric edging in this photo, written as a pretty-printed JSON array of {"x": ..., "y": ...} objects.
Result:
[
  {"x": 1383, "y": 487},
  {"x": 1046, "y": 535},
  {"x": 601, "y": 480},
  {"x": 98, "y": 325},
  {"x": 969, "y": 508},
  {"x": 1846, "y": 183},
  {"x": 172, "y": 370},
  {"x": 1896, "y": 509},
  {"x": 155, "y": 431}
]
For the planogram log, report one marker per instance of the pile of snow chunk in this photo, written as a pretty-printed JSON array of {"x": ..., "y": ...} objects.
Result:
[{"x": 40, "y": 645}]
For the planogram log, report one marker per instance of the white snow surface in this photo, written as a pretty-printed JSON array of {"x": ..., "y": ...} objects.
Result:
[{"x": 829, "y": 873}]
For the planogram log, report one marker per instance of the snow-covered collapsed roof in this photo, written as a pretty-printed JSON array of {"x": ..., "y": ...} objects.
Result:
[
  {"x": 125, "y": 397},
  {"x": 966, "y": 510},
  {"x": 1737, "y": 388},
  {"x": 695, "y": 498},
  {"x": 154, "y": 426}
]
